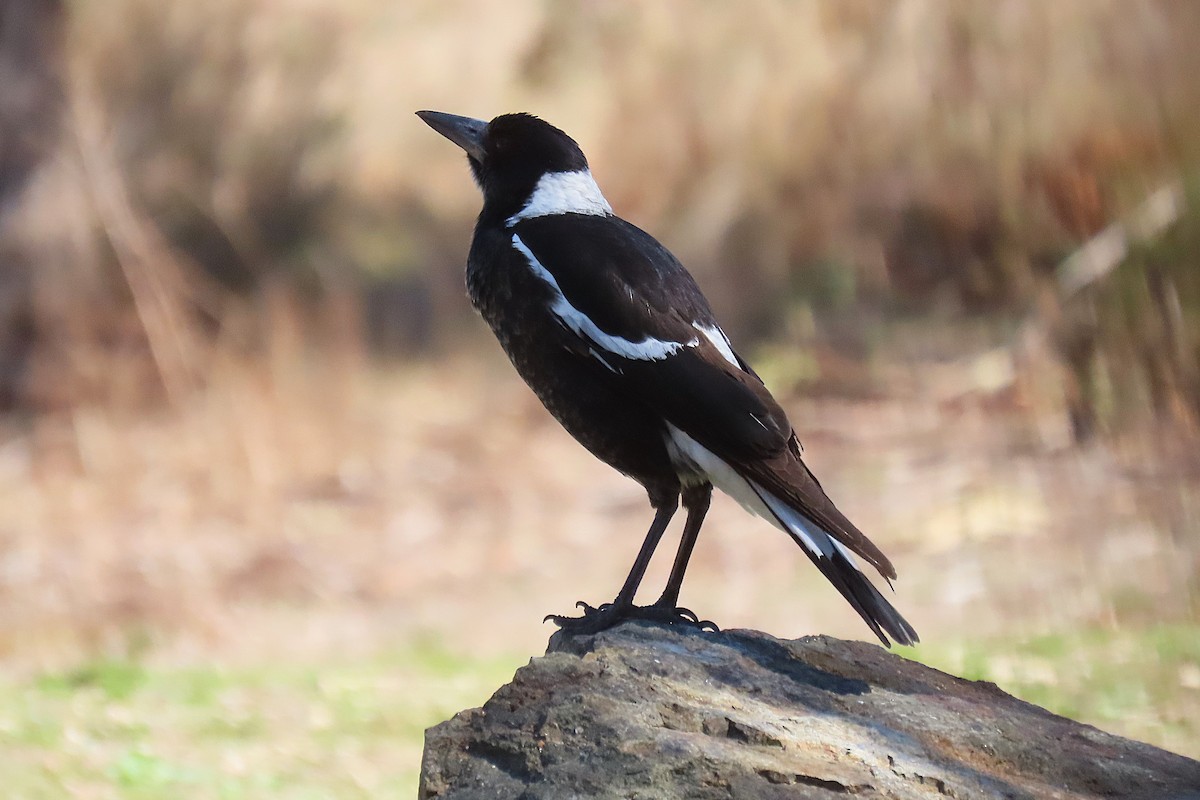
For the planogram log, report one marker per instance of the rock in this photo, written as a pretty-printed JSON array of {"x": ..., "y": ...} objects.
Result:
[{"x": 646, "y": 711}]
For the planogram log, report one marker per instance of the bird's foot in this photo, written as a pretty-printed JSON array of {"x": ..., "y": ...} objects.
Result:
[
  {"x": 676, "y": 614},
  {"x": 594, "y": 620}
]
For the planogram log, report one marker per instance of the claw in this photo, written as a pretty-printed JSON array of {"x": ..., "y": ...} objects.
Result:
[
  {"x": 687, "y": 614},
  {"x": 694, "y": 618},
  {"x": 597, "y": 618},
  {"x": 593, "y": 620}
]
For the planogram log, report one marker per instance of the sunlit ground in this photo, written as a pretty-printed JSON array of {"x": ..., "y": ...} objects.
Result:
[{"x": 272, "y": 591}]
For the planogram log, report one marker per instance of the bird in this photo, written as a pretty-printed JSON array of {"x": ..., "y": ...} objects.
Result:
[{"x": 615, "y": 338}]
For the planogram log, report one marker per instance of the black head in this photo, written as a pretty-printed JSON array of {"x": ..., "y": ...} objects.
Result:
[{"x": 509, "y": 154}]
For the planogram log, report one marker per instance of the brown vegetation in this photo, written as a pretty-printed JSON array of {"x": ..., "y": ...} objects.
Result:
[
  {"x": 238, "y": 215},
  {"x": 947, "y": 153}
]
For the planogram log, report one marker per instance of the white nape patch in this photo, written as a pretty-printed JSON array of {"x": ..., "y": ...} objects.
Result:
[
  {"x": 696, "y": 463},
  {"x": 563, "y": 193},
  {"x": 647, "y": 349},
  {"x": 719, "y": 340}
]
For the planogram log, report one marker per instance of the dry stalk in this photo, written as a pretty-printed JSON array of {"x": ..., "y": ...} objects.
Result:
[{"x": 163, "y": 289}]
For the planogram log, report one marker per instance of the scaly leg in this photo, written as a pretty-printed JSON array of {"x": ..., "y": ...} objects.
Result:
[{"x": 595, "y": 620}]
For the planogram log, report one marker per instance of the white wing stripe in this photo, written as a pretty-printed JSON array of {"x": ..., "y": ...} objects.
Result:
[
  {"x": 815, "y": 540},
  {"x": 563, "y": 193},
  {"x": 696, "y": 463},
  {"x": 647, "y": 349}
]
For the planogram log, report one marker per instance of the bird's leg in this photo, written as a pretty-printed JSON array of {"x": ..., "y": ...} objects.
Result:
[
  {"x": 696, "y": 500},
  {"x": 609, "y": 614}
]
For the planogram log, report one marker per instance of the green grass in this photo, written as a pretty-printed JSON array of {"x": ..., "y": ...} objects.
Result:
[
  {"x": 1140, "y": 683},
  {"x": 354, "y": 729},
  {"x": 335, "y": 730}
]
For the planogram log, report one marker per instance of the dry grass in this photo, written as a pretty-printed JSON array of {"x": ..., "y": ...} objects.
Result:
[
  {"x": 261, "y": 138},
  {"x": 440, "y": 497},
  {"x": 272, "y": 589},
  {"x": 804, "y": 156},
  {"x": 229, "y": 493}
]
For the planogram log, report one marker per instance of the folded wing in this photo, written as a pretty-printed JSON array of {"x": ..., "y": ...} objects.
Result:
[{"x": 635, "y": 309}]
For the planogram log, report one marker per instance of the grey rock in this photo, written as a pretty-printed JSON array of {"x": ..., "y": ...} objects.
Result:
[{"x": 645, "y": 711}]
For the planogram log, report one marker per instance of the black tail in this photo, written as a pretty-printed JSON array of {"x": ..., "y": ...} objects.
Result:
[{"x": 837, "y": 564}]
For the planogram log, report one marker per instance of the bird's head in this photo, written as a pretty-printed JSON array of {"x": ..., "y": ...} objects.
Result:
[{"x": 510, "y": 154}]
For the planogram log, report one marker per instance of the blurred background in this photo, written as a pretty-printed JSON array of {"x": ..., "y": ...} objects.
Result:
[{"x": 272, "y": 502}]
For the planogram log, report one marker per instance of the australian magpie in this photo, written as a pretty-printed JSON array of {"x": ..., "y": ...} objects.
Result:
[{"x": 615, "y": 338}]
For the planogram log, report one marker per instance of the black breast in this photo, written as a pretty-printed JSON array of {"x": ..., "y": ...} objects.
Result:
[{"x": 586, "y": 397}]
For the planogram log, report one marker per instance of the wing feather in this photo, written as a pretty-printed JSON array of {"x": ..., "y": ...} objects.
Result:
[{"x": 604, "y": 264}]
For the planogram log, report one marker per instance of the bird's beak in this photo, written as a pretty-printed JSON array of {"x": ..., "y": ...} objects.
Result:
[{"x": 465, "y": 132}]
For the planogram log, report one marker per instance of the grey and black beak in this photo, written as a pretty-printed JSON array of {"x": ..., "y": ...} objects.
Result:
[{"x": 465, "y": 132}]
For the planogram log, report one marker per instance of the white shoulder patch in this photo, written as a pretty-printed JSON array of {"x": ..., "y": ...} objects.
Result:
[
  {"x": 564, "y": 193},
  {"x": 647, "y": 349},
  {"x": 719, "y": 340}
]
